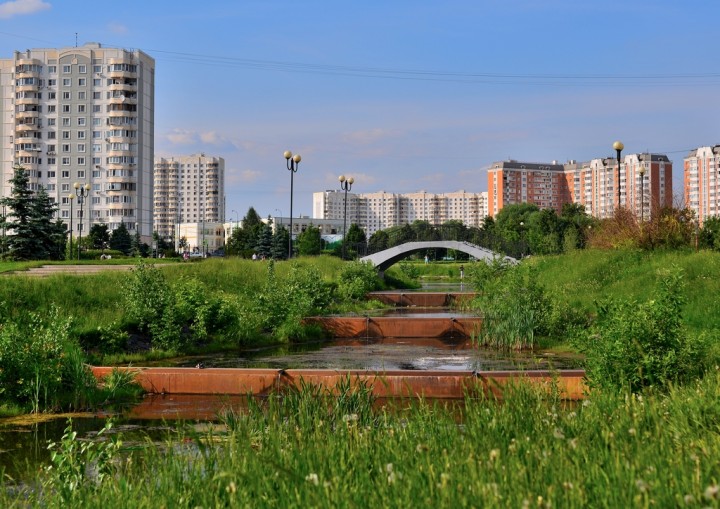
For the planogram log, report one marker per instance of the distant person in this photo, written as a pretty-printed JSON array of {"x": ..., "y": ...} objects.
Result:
[
  {"x": 462, "y": 271},
  {"x": 254, "y": 256},
  {"x": 427, "y": 260},
  {"x": 186, "y": 256}
]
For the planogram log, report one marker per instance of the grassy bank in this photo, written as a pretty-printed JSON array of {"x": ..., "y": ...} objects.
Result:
[
  {"x": 584, "y": 278},
  {"x": 655, "y": 450}
]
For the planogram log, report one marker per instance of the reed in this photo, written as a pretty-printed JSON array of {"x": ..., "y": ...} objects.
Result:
[{"x": 532, "y": 450}]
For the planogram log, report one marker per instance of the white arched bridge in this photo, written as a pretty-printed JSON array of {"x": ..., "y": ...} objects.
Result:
[{"x": 384, "y": 259}]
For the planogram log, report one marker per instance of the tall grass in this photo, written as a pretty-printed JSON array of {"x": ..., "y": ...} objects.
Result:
[{"x": 613, "y": 450}]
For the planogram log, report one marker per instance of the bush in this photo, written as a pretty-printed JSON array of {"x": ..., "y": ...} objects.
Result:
[
  {"x": 512, "y": 303},
  {"x": 356, "y": 280},
  {"x": 635, "y": 345},
  {"x": 39, "y": 362}
]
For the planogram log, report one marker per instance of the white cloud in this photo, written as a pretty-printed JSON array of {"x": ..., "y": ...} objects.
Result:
[
  {"x": 21, "y": 7},
  {"x": 243, "y": 176},
  {"x": 118, "y": 28},
  {"x": 182, "y": 137}
]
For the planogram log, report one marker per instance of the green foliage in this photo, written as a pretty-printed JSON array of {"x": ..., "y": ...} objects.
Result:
[
  {"x": 635, "y": 345},
  {"x": 356, "y": 279},
  {"x": 38, "y": 358},
  {"x": 284, "y": 302},
  {"x": 409, "y": 270},
  {"x": 120, "y": 239},
  {"x": 150, "y": 302},
  {"x": 613, "y": 450},
  {"x": 309, "y": 242},
  {"x": 79, "y": 466},
  {"x": 28, "y": 229},
  {"x": 512, "y": 303}
]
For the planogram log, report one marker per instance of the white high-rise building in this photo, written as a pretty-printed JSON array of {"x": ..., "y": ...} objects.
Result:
[
  {"x": 381, "y": 210},
  {"x": 82, "y": 115},
  {"x": 702, "y": 181},
  {"x": 188, "y": 189}
]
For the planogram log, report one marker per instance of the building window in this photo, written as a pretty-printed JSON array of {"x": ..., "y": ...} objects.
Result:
[
  {"x": 52, "y": 69},
  {"x": 66, "y": 96},
  {"x": 82, "y": 69},
  {"x": 97, "y": 96},
  {"x": 66, "y": 121},
  {"x": 66, "y": 69},
  {"x": 81, "y": 147},
  {"x": 81, "y": 173},
  {"x": 97, "y": 83},
  {"x": 81, "y": 122},
  {"x": 66, "y": 108},
  {"x": 52, "y": 82},
  {"x": 82, "y": 82},
  {"x": 66, "y": 147},
  {"x": 51, "y": 95},
  {"x": 81, "y": 96},
  {"x": 66, "y": 82}
]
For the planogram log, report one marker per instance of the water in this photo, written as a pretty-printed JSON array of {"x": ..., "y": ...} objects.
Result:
[{"x": 382, "y": 354}]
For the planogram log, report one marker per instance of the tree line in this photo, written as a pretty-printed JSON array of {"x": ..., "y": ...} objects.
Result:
[{"x": 30, "y": 230}]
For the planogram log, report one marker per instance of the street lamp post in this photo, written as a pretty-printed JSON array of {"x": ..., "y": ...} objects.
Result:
[
  {"x": 345, "y": 185},
  {"x": 71, "y": 197},
  {"x": 4, "y": 223},
  {"x": 82, "y": 192},
  {"x": 618, "y": 146},
  {"x": 293, "y": 163},
  {"x": 642, "y": 193}
]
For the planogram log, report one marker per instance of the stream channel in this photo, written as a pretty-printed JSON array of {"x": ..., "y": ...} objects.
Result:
[{"x": 23, "y": 442}]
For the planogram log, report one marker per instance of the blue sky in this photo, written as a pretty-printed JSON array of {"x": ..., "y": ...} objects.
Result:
[{"x": 403, "y": 95}]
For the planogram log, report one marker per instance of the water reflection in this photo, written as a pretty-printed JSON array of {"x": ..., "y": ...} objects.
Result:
[{"x": 383, "y": 354}]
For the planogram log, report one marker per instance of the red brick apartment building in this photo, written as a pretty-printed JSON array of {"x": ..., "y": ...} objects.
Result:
[{"x": 645, "y": 184}]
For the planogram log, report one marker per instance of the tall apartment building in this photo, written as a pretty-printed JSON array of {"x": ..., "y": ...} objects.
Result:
[
  {"x": 82, "y": 114},
  {"x": 645, "y": 184},
  {"x": 702, "y": 181},
  {"x": 377, "y": 211},
  {"x": 519, "y": 182},
  {"x": 188, "y": 189}
]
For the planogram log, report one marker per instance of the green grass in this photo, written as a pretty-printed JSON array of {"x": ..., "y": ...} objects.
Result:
[
  {"x": 582, "y": 278},
  {"x": 613, "y": 450}
]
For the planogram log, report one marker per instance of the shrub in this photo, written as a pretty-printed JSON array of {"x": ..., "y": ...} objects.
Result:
[
  {"x": 512, "y": 303},
  {"x": 356, "y": 280},
  {"x": 39, "y": 362},
  {"x": 635, "y": 345}
]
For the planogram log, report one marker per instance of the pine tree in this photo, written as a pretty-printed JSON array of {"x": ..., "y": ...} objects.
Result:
[
  {"x": 49, "y": 235},
  {"x": 280, "y": 242},
  {"x": 120, "y": 239},
  {"x": 29, "y": 232},
  {"x": 265, "y": 241}
]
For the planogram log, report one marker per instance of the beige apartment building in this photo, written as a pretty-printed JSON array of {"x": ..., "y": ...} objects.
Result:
[
  {"x": 82, "y": 115},
  {"x": 381, "y": 210},
  {"x": 702, "y": 181},
  {"x": 188, "y": 189}
]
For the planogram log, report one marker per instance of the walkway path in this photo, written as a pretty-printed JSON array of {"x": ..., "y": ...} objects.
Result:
[{"x": 48, "y": 270}]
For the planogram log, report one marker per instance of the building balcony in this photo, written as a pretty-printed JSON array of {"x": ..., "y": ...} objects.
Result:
[
  {"x": 123, "y": 86},
  {"x": 27, "y": 100},
  {"x": 113, "y": 74},
  {"x": 27, "y": 88}
]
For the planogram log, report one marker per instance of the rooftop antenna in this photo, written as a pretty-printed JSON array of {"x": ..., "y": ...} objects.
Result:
[{"x": 76, "y": 39}]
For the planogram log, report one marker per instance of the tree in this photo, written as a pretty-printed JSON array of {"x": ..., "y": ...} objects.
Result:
[
  {"x": 244, "y": 240},
  {"x": 280, "y": 240},
  {"x": 120, "y": 239},
  {"x": 379, "y": 241},
  {"x": 31, "y": 234},
  {"x": 99, "y": 236},
  {"x": 265, "y": 240},
  {"x": 309, "y": 242}
]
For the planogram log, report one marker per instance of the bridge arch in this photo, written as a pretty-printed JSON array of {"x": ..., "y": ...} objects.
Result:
[{"x": 382, "y": 260}]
